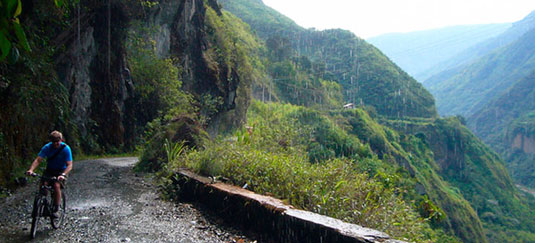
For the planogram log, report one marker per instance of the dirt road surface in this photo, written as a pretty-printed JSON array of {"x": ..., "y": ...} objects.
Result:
[{"x": 108, "y": 202}]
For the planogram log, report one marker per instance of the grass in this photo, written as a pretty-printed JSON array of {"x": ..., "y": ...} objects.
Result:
[
  {"x": 334, "y": 188},
  {"x": 102, "y": 156},
  {"x": 273, "y": 158}
]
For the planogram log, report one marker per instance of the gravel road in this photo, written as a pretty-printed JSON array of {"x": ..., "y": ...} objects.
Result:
[{"x": 107, "y": 202}]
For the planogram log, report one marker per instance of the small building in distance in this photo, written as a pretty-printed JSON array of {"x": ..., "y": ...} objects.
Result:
[{"x": 349, "y": 106}]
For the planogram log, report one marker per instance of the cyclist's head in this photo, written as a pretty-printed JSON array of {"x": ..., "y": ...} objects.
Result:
[{"x": 55, "y": 137}]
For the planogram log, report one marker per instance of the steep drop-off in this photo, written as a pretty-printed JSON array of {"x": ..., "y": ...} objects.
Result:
[
  {"x": 370, "y": 80},
  {"x": 478, "y": 173},
  {"x": 506, "y": 124}
]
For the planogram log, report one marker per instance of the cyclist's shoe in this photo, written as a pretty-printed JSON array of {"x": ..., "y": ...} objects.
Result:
[{"x": 55, "y": 213}]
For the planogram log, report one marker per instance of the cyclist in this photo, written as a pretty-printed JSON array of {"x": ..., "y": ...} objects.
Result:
[{"x": 59, "y": 164}]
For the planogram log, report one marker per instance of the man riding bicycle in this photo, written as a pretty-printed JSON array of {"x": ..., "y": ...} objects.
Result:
[{"x": 59, "y": 164}]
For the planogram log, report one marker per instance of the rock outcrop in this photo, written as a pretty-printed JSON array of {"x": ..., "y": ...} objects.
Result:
[
  {"x": 524, "y": 143},
  {"x": 96, "y": 74}
]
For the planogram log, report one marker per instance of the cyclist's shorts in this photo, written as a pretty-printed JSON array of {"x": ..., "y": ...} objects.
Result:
[{"x": 52, "y": 173}]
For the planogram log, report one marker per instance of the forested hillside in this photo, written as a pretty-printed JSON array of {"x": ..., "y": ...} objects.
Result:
[
  {"x": 506, "y": 124},
  {"x": 366, "y": 75},
  {"x": 493, "y": 90},
  {"x": 489, "y": 84},
  {"x": 416, "y": 52},
  {"x": 466, "y": 89},
  {"x": 441, "y": 137}
]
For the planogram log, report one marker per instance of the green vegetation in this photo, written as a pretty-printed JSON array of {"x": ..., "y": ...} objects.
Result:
[
  {"x": 366, "y": 76},
  {"x": 11, "y": 33},
  {"x": 130, "y": 91},
  {"x": 158, "y": 93},
  {"x": 234, "y": 54},
  {"x": 525, "y": 124},
  {"x": 413, "y": 153},
  {"x": 520, "y": 155},
  {"x": 507, "y": 124},
  {"x": 479, "y": 175},
  {"x": 256, "y": 14},
  {"x": 34, "y": 101},
  {"x": 483, "y": 48},
  {"x": 466, "y": 89},
  {"x": 400, "y": 175},
  {"x": 280, "y": 74},
  {"x": 414, "y": 167},
  {"x": 495, "y": 92},
  {"x": 301, "y": 156},
  {"x": 103, "y": 156}
]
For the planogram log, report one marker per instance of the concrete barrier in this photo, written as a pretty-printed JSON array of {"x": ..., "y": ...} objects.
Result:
[{"x": 271, "y": 216}]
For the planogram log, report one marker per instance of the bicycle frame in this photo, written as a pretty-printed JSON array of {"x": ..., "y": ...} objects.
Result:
[
  {"x": 43, "y": 205},
  {"x": 44, "y": 189}
]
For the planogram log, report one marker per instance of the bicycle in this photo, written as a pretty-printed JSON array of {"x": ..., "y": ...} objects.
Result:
[{"x": 43, "y": 206}]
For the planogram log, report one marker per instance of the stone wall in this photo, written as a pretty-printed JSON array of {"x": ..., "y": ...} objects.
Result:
[{"x": 270, "y": 216}]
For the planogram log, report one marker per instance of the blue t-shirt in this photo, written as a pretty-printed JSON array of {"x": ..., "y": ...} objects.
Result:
[{"x": 60, "y": 161}]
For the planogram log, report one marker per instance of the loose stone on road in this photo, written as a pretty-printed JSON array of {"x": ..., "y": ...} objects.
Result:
[{"x": 107, "y": 202}]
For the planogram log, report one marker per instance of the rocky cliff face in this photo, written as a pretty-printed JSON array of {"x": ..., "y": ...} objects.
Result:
[
  {"x": 79, "y": 78},
  {"x": 76, "y": 76},
  {"x": 95, "y": 71},
  {"x": 189, "y": 42},
  {"x": 524, "y": 143}
]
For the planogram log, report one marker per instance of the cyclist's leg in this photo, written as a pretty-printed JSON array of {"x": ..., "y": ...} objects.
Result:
[
  {"x": 55, "y": 184},
  {"x": 57, "y": 194}
]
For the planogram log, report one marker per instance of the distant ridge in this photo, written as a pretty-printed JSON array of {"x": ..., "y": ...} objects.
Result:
[
  {"x": 466, "y": 88},
  {"x": 471, "y": 54},
  {"x": 493, "y": 87},
  {"x": 416, "y": 52}
]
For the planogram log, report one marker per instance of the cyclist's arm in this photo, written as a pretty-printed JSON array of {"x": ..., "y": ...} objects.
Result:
[
  {"x": 35, "y": 164},
  {"x": 69, "y": 167}
]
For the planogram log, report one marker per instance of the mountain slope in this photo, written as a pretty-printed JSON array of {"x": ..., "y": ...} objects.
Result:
[
  {"x": 367, "y": 76},
  {"x": 256, "y": 14},
  {"x": 466, "y": 89},
  {"x": 506, "y": 124},
  {"x": 479, "y": 174},
  {"x": 415, "y": 52},
  {"x": 477, "y": 51},
  {"x": 370, "y": 79}
]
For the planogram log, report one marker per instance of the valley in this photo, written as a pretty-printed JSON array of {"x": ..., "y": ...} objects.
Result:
[{"x": 321, "y": 119}]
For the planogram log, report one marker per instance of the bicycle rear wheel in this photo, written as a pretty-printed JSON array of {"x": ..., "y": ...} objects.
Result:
[
  {"x": 56, "y": 222},
  {"x": 37, "y": 212}
]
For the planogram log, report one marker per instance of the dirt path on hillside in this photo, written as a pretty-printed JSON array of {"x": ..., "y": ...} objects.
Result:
[
  {"x": 526, "y": 189},
  {"x": 107, "y": 202}
]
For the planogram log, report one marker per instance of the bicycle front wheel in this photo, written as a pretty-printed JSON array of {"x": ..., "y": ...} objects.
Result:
[
  {"x": 56, "y": 222},
  {"x": 37, "y": 212}
]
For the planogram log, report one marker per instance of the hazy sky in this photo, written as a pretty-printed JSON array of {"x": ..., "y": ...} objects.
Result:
[{"x": 367, "y": 18}]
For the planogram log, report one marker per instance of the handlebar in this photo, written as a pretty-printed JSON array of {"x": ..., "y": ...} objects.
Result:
[
  {"x": 32, "y": 174},
  {"x": 54, "y": 178}
]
